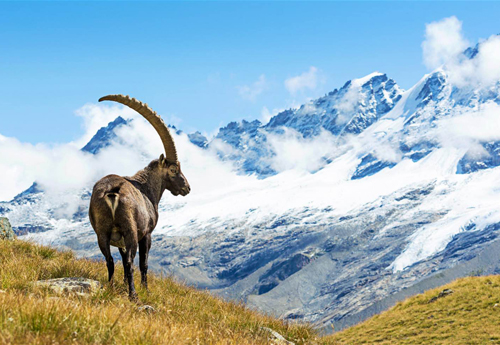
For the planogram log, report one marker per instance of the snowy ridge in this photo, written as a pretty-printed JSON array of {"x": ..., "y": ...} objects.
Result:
[{"x": 348, "y": 110}]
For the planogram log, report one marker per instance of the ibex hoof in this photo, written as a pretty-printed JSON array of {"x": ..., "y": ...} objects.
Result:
[{"x": 133, "y": 297}]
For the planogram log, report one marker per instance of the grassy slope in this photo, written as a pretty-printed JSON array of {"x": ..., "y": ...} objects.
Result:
[
  {"x": 470, "y": 315},
  {"x": 28, "y": 314}
]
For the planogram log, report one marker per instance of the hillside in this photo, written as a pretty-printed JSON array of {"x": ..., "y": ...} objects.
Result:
[
  {"x": 31, "y": 315},
  {"x": 468, "y": 314}
]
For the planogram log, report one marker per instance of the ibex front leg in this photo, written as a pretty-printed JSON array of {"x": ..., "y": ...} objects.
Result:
[{"x": 144, "y": 247}]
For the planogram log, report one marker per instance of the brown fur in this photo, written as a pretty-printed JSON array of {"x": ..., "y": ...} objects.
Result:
[{"x": 124, "y": 212}]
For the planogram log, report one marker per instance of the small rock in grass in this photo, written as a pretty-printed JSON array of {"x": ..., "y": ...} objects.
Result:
[
  {"x": 443, "y": 293},
  {"x": 278, "y": 339},
  {"x": 147, "y": 309}
]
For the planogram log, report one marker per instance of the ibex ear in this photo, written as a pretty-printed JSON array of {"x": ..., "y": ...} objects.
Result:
[{"x": 162, "y": 159}]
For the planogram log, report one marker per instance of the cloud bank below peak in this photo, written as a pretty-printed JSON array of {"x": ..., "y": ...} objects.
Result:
[{"x": 446, "y": 47}]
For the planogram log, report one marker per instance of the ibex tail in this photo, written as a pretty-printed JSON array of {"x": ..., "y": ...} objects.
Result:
[{"x": 112, "y": 201}]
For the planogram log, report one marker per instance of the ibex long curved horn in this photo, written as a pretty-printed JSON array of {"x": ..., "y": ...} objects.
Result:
[{"x": 154, "y": 119}]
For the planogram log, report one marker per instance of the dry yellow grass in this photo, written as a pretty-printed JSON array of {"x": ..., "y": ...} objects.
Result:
[
  {"x": 470, "y": 315},
  {"x": 28, "y": 314}
]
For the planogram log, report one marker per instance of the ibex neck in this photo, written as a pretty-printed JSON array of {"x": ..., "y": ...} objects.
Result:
[{"x": 150, "y": 183}]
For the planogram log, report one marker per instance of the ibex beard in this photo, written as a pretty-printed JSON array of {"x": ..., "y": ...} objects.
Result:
[{"x": 124, "y": 210}]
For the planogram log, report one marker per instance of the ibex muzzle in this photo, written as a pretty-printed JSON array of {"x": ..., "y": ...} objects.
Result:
[{"x": 124, "y": 210}]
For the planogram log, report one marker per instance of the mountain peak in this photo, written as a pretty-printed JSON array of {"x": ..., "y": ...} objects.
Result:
[
  {"x": 104, "y": 136},
  {"x": 198, "y": 139},
  {"x": 369, "y": 78},
  {"x": 348, "y": 110}
]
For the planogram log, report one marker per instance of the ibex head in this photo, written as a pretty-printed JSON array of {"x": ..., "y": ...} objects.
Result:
[
  {"x": 175, "y": 180},
  {"x": 168, "y": 164}
]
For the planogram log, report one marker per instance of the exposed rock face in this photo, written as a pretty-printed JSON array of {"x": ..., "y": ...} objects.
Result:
[
  {"x": 488, "y": 158},
  {"x": 281, "y": 270},
  {"x": 370, "y": 165},
  {"x": 198, "y": 139},
  {"x": 6, "y": 232},
  {"x": 63, "y": 286}
]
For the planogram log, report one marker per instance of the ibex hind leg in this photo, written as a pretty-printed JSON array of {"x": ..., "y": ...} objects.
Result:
[
  {"x": 144, "y": 247},
  {"x": 103, "y": 241},
  {"x": 128, "y": 262},
  {"x": 123, "y": 253}
]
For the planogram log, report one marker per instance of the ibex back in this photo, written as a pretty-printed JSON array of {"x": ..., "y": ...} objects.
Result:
[{"x": 124, "y": 210}]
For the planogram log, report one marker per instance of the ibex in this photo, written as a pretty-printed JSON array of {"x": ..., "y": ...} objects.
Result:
[{"x": 124, "y": 210}]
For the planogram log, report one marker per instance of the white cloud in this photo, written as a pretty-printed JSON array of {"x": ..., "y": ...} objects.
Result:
[
  {"x": 251, "y": 92},
  {"x": 474, "y": 125},
  {"x": 63, "y": 171},
  {"x": 350, "y": 100},
  {"x": 307, "y": 80},
  {"x": 348, "y": 104},
  {"x": 383, "y": 147},
  {"x": 488, "y": 60},
  {"x": 476, "y": 151},
  {"x": 309, "y": 108},
  {"x": 265, "y": 115},
  {"x": 96, "y": 116},
  {"x": 444, "y": 42},
  {"x": 443, "y": 47},
  {"x": 293, "y": 152},
  {"x": 480, "y": 71}
]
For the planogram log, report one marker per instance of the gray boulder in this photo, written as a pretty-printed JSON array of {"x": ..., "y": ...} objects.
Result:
[
  {"x": 65, "y": 286},
  {"x": 6, "y": 232}
]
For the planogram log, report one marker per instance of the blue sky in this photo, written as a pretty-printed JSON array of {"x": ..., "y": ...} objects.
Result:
[{"x": 203, "y": 64}]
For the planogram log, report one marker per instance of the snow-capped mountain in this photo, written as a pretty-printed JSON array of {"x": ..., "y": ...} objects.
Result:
[
  {"x": 395, "y": 192},
  {"x": 349, "y": 110},
  {"x": 104, "y": 136}
]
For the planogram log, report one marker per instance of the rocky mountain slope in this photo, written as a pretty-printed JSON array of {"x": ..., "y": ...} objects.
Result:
[{"x": 328, "y": 213}]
